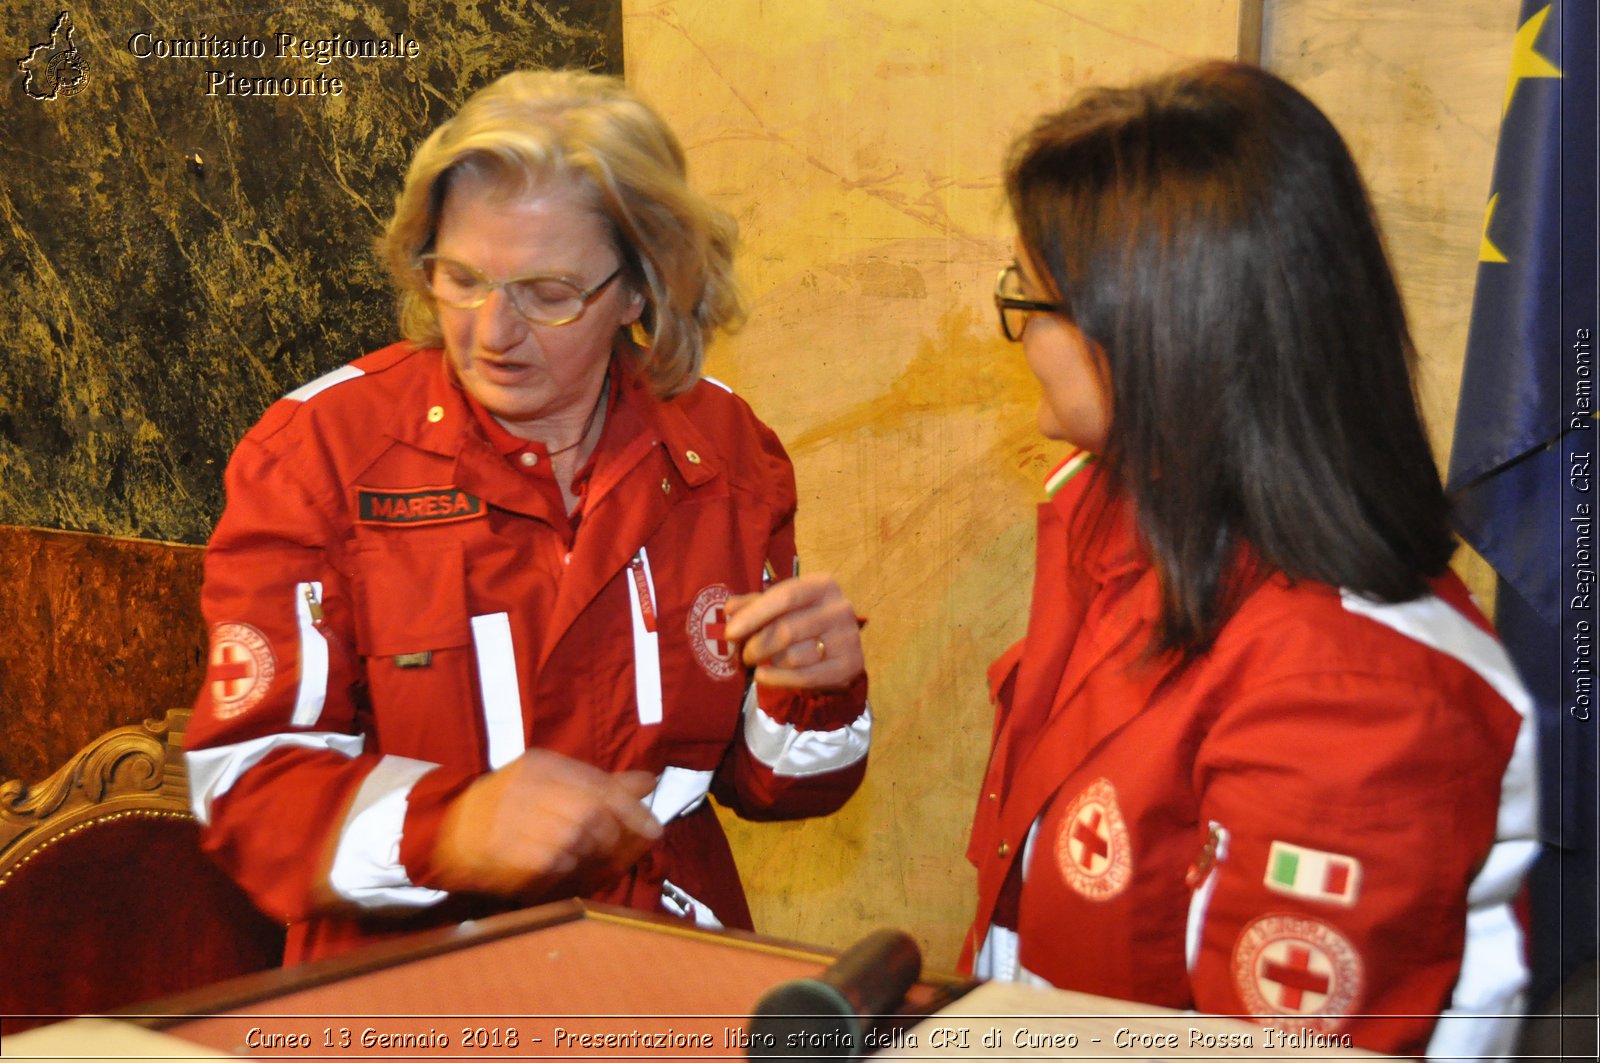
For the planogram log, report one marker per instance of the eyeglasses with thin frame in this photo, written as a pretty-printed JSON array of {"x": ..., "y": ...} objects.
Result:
[
  {"x": 541, "y": 298},
  {"x": 1013, "y": 308}
]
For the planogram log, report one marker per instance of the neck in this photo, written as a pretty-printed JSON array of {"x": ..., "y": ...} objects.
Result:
[
  {"x": 561, "y": 432},
  {"x": 565, "y": 461}
]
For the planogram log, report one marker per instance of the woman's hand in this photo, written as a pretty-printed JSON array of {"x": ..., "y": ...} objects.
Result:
[
  {"x": 542, "y": 820},
  {"x": 801, "y": 633}
]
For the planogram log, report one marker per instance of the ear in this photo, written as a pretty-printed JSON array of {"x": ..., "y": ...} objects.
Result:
[{"x": 635, "y": 307}]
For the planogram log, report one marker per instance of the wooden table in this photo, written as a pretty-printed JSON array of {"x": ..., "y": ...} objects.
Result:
[{"x": 575, "y": 981}]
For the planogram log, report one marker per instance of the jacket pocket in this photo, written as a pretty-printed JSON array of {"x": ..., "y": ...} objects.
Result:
[{"x": 415, "y": 636}]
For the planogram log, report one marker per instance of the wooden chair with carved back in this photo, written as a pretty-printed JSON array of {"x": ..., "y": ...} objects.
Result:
[{"x": 105, "y": 897}]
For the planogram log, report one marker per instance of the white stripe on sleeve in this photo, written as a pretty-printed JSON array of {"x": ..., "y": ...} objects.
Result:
[
  {"x": 792, "y": 752},
  {"x": 213, "y": 772},
  {"x": 366, "y": 865}
]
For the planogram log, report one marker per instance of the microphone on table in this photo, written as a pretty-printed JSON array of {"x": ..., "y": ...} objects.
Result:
[{"x": 830, "y": 1016}]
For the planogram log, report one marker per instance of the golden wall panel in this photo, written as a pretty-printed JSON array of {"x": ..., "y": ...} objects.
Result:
[
  {"x": 1417, "y": 90},
  {"x": 859, "y": 144}
]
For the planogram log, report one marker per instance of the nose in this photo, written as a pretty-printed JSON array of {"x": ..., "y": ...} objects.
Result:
[{"x": 498, "y": 325}]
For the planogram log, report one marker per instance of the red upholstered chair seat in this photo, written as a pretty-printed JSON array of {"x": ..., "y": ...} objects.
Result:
[{"x": 105, "y": 897}]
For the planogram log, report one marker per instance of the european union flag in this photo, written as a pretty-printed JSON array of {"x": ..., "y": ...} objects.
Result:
[{"x": 1521, "y": 468}]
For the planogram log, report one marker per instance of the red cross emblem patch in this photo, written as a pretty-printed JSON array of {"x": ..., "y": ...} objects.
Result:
[
  {"x": 240, "y": 670},
  {"x": 1293, "y": 972},
  {"x": 708, "y": 625},
  {"x": 1093, "y": 849}
]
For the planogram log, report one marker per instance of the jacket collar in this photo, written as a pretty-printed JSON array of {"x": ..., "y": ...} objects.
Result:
[
  {"x": 1088, "y": 553},
  {"x": 437, "y": 418},
  {"x": 1099, "y": 525},
  {"x": 643, "y": 422}
]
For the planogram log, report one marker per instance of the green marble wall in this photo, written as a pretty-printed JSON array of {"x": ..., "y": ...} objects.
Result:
[{"x": 174, "y": 254}]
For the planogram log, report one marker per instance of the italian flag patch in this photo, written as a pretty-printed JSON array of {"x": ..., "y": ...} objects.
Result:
[{"x": 1313, "y": 874}]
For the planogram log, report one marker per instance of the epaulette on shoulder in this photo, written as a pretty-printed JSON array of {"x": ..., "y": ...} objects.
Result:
[
  {"x": 711, "y": 394},
  {"x": 284, "y": 410},
  {"x": 308, "y": 391}
]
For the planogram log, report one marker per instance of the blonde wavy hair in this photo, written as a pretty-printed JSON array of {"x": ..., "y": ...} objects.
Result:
[{"x": 531, "y": 126}]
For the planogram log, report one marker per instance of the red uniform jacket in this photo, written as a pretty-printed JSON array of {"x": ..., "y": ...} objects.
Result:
[
  {"x": 395, "y": 608},
  {"x": 1295, "y": 827}
]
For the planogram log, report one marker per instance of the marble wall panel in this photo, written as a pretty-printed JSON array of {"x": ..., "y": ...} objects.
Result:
[
  {"x": 174, "y": 254},
  {"x": 859, "y": 144},
  {"x": 99, "y": 632}
]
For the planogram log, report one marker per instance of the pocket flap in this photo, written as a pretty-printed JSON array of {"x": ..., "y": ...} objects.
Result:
[{"x": 414, "y": 598}]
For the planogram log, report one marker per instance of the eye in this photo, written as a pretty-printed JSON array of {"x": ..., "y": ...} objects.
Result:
[
  {"x": 545, "y": 291},
  {"x": 455, "y": 274}
]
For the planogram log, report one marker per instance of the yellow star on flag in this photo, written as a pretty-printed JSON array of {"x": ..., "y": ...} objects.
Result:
[
  {"x": 1525, "y": 62},
  {"x": 1487, "y": 252}
]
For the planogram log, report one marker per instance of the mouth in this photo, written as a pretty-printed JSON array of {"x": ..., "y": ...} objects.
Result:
[{"x": 503, "y": 373}]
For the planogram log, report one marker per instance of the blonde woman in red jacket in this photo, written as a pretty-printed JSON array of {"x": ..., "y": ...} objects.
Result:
[
  {"x": 1258, "y": 753},
  {"x": 495, "y": 610}
]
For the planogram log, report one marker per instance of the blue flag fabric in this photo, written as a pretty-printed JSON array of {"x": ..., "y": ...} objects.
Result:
[{"x": 1521, "y": 467}]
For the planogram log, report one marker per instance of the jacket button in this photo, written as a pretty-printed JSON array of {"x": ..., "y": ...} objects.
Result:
[
  {"x": 693, "y": 456},
  {"x": 1005, "y": 847},
  {"x": 529, "y": 458},
  {"x": 666, "y": 487},
  {"x": 435, "y": 414}
]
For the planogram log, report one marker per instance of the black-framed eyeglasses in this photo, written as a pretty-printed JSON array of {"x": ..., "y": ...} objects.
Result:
[
  {"x": 1014, "y": 307},
  {"x": 541, "y": 298}
]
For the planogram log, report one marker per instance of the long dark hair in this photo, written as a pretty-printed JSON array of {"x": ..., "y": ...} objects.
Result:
[{"x": 1210, "y": 232}]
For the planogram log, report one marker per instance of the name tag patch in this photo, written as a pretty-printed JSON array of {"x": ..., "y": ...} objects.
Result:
[{"x": 423, "y": 505}]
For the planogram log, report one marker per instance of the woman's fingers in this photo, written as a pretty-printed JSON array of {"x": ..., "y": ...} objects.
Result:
[
  {"x": 542, "y": 818},
  {"x": 801, "y": 633}
]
